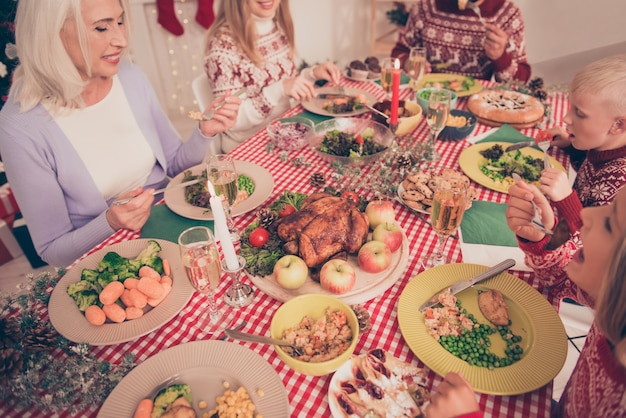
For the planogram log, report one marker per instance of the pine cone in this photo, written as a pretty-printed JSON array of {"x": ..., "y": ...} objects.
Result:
[
  {"x": 11, "y": 362},
  {"x": 536, "y": 83},
  {"x": 10, "y": 332},
  {"x": 363, "y": 316},
  {"x": 404, "y": 161},
  {"x": 541, "y": 95},
  {"x": 317, "y": 179},
  {"x": 266, "y": 217},
  {"x": 41, "y": 338}
]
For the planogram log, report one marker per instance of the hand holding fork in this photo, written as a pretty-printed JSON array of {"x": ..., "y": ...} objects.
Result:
[{"x": 536, "y": 220}]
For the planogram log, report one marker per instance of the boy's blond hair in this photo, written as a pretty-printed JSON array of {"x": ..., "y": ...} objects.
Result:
[{"x": 607, "y": 77}]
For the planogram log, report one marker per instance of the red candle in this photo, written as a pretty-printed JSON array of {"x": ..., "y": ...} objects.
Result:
[{"x": 395, "y": 90}]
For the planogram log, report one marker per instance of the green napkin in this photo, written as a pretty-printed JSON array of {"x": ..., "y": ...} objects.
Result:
[
  {"x": 506, "y": 133},
  {"x": 485, "y": 223},
  {"x": 165, "y": 224},
  {"x": 404, "y": 79},
  {"x": 314, "y": 118}
]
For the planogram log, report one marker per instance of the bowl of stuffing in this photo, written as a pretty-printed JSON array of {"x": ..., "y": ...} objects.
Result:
[
  {"x": 289, "y": 134},
  {"x": 350, "y": 141},
  {"x": 323, "y": 328},
  {"x": 422, "y": 96},
  {"x": 409, "y": 115},
  {"x": 460, "y": 125}
]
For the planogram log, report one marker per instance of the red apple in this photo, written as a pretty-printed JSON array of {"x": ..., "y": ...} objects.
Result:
[
  {"x": 380, "y": 211},
  {"x": 374, "y": 256},
  {"x": 390, "y": 234},
  {"x": 291, "y": 271},
  {"x": 337, "y": 276}
]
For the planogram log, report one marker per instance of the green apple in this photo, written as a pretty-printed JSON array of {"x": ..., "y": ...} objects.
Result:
[{"x": 291, "y": 271}]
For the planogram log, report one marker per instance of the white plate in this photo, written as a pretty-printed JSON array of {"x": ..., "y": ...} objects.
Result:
[
  {"x": 343, "y": 373},
  {"x": 204, "y": 366},
  {"x": 400, "y": 191},
  {"x": 71, "y": 323},
  {"x": 263, "y": 186},
  {"x": 368, "y": 285},
  {"x": 316, "y": 105}
]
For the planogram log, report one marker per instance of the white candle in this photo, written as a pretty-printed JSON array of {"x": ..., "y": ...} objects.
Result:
[{"x": 221, "y": 229}]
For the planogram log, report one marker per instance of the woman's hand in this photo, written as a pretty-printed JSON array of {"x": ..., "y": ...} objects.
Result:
[
  {"x": 224, "y": 117},
  {"x": 298, "y": 88},
  {"x": 520, "y": 211},
  {"x": 495, "y": 41},
  {"x": 327, "y": 71},
  {"x": 453, "y": 397},
  {"x": 555, "y": 184},
  {"x": 133, "y": 214}
]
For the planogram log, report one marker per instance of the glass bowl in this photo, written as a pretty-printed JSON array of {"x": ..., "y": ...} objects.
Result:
[
  {"x": 289, "y": 134},
  {"x": 380, "y": 135}
]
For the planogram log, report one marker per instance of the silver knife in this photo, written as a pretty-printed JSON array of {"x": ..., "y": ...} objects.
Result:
[
  {"x": 464, "y": 284},
  {"x": 519, "y": 145},
  {"x": 331, "y": 96},
  {"x": 165, "y": 189}
]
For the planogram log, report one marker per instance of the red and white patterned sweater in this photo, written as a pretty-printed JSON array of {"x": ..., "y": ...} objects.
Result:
[
  {"x": 455, "y": 38},
  {"x": 228, "y": 68}
]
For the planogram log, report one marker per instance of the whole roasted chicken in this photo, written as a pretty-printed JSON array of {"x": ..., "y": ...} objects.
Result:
[{"x": 324, "y": 226}]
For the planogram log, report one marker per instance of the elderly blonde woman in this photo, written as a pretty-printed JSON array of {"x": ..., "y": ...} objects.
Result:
[
  {"x": 251, "y": 44},
  {"x": 83, "y": 127}
]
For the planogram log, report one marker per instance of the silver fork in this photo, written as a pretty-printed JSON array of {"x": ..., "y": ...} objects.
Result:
[
  {"x": 536, "y": 221},
  {"x": 237, "y": 328},
  {"x": 476, "y": 9},
  {"x": 208, "y": 115},
  {"x": 544, "y": 145}
]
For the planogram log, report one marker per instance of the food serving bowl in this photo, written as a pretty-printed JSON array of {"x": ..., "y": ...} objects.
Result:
[
  {"x": 422, "y": 96},
  {"x": 355, "y": 126},
  {"x": 289, "y": 134},
  {"x": 291, "y": 313},
  {"x": 408, "y": 119},
  {"x": 457, "y": 133}
]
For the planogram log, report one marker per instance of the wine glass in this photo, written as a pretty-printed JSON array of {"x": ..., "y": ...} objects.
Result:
[
  {"x": 417, "y": 65},
  {"x": 201, "y": 260},
  {"x": 449, "y": 199},
  {"x": 386, "y": 75},
  {"x": 436, "y": 117},
  {"x": 221, "y": 172}
]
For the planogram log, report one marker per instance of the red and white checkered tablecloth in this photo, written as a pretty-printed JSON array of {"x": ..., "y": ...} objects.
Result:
[{"x": 308, "y": 394}]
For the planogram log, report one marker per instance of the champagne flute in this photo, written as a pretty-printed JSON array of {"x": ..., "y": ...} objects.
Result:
[
  {"x": 386, "y": 75},
  {"x": 436, "y": 117},
  {"x": 221, "y": 172},
  {"x": 449, "y": 199},
  {"x": 201, "y": 260},
  {"x": 417, "y": 65}
]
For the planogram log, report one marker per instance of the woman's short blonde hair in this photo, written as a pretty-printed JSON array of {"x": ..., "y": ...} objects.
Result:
[
  {"x": 237, "y": 17},
  {"x": 46, "y": 72},
  {"x": 606, "y": 77}
]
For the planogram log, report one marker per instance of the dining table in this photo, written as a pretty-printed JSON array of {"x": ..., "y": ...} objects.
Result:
[{"x": 292, "y": 170}]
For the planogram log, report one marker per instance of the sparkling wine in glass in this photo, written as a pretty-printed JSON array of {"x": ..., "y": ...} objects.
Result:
[
  {"x": 201, "y": 261},
  {"x": 417, "y": 65},
  {"x": 449, "y": 202},
  {"x": 436, "y": 117},
  {"x": 386, "y": 75},
  {"x": 221, "y": 172}
]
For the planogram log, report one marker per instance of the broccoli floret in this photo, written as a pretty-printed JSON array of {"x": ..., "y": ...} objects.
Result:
[
  {"x": 133, "y": 267},
  {"x": 106, "y": 277},
  {"x": 79, "y": 286},
  {"x": 85, "y": 299},
  {"x": 149, "y": 256},
  {"x": 168, "y": 395},
  {"x": 89, "y": 275},
  {"x": 112, "y": 262}
]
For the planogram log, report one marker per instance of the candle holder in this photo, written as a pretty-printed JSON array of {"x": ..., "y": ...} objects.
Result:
[{"x": 238, "y": 294}]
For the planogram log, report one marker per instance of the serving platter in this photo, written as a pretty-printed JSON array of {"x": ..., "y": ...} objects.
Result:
[
  {"x": 316, "y": 104},
  {"x": 470, "y": 161},
  {"x": 263, "y": 186},
  {"x": 204, "y": 366},
  {"x": 368, "y": 285},
  {"x": 71, "y": 323},
  {"x": 543, "y": 336},
  {"x": 427, "y": 79}
]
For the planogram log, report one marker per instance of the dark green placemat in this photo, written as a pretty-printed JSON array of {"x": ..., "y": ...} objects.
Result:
[
  {"x": 485, "y": 223},
  {"x": 505, "y": 133},
  {"x": 313, "y": 117},
  {"x": 167, "y": 225}
]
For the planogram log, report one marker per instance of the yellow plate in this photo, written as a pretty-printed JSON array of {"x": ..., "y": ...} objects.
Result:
[
  {"x": 443, "y": 77},
  {"x": 543, "y": 337},
  {"x": 470, "y": 161}
]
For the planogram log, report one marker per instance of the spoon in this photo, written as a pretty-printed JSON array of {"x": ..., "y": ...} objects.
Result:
[
  {"x": 476, "y": 10},
  {"x": 231, "y": 333}
]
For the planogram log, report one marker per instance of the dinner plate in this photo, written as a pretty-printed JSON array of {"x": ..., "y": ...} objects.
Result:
[
  {"x": 204, "y": 366},
  {"x": 316, "y": 105},
  {"x": 71, "y": 323},
  {"x": 470, "y": 161},
  {"x": 443, "y": 77},
  {"x": 263, "y": 186},
  {"x": 367, "y": 286},
  {"x": 543, "y": 337}
]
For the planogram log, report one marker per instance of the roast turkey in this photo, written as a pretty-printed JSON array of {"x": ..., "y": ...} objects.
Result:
[{"x": 324, "y": 226}]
